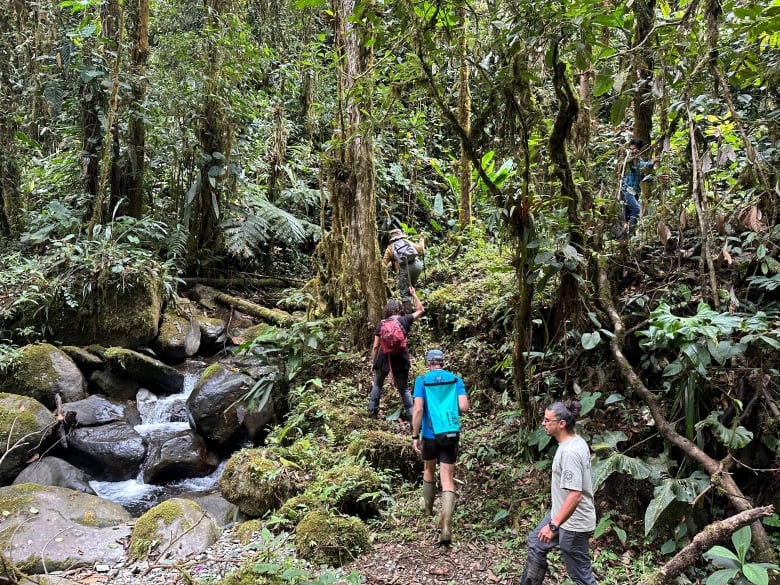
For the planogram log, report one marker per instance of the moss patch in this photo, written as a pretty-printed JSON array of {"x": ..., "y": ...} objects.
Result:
[
  {"x": 147, "y": 527},
  {"x": 332, "y": 540}
]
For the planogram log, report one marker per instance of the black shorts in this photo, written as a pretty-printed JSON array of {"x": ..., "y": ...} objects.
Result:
[{"x": 443, "y": 454}]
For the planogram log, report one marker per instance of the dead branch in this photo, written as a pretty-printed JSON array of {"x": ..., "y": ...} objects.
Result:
[{"x": 711, "y": 535}]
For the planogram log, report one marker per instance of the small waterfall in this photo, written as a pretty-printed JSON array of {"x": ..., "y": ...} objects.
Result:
[{"x": 159, "y": 415}]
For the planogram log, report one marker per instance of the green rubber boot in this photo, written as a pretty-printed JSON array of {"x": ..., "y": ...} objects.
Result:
[
  {"x": 429, "y": 493},
  {"x": 447, "y": 509}
]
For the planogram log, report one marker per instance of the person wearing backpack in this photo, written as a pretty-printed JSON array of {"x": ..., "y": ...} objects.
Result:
[
  {"x": 439, "y": 399},
  {"x": 389, "y": 354},
  {"x": 402, "y": 256}
]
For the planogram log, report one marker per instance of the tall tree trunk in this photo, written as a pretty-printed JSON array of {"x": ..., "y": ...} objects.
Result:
[
  {"x": 106, "y": 167},
  {"x": 567, "y": 303},
  {"x": 137, "y": 128},
  {"x": 354, "y": 273},
  {"x": 464, "y": 117},
  {"x": 215, "y": 137},
  {"x": 644, "y": 11}
]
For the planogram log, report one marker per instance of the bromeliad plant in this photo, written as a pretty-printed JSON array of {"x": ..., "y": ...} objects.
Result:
[{"x": 736, "y": 568}]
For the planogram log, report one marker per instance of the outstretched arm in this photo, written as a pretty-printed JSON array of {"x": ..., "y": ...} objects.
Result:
[{"x": 418, "y": 306}]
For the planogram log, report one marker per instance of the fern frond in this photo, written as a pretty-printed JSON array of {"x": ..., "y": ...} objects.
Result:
[{"x": 246, "y": 237}]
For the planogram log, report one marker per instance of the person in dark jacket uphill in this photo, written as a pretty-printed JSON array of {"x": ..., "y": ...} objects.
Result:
[{"x": 389, "y": 354}]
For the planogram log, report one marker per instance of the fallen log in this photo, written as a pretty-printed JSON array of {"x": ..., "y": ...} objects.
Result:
[
  {"x": 274, "y": 316},
  {"x": 244, "y": 282}
]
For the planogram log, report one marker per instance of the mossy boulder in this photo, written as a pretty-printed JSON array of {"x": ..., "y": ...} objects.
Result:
[
  {"x": 261, "y": 480},
  {"x": 350, "y": 489},
  {"x": 122, "y": 312},
  {"x": 325, "y": 538},
  {"x": 55, "y": 529},
  {"x": 387, "y": 451},
  {"x": 176, "y": 528},
  {"x": 219, "y": 410},
  {"x": 42, "y": 371},
  {"x": 179, "y": 335},
  {"x": 26, "y": 424},
  {"x": 150, "y": 373},
  {"x": 295, "y": 508}
]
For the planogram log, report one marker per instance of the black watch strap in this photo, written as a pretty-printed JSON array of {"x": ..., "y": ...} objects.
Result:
[{"x": 553, "y": 527}]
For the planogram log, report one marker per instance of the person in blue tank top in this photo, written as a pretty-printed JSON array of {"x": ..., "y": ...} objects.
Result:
[{"x": 439, "y": 399}]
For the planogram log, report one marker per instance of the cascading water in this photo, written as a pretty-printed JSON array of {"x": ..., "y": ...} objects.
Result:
[{"x": 159, "y": 415}]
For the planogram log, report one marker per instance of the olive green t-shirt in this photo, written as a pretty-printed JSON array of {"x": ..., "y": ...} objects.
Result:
[{"x": 571, "y": 471}]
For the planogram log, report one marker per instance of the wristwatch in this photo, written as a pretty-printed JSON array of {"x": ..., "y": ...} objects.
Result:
[
  {"x": 553, "y": 527},
  {"x": 415, "y": 437}
]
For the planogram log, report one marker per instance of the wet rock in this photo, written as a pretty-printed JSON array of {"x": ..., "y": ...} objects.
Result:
[
  {"x": 219, "y": 408},
  {"x": 173, "y": 454},
  {"x": 57, "y": 472},
  {"x": 98, "y": 410},
  {"x": 179, "y": 336},
  {"x": 147, "y": 371},
  {"x": 111, "y": 452},
  {"x": 113, "y": 386}
]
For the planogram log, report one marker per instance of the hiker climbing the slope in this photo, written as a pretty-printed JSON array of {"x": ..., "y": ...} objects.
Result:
[
  {"x": 635, "y": 171},
  {"x": 390, "y": 355},
  {"x": 403, "y": 256},
  {"x": 439, "y": 399}
]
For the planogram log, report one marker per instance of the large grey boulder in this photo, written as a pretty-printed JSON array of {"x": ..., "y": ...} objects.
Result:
[
  {"x": 175, "y": 454},
  {"x": 83, "y": 358},
  {"x": 55, "y": 471},
  {"x": 150, "y": 373},
  {"x": 219, "y": 410},
  {"x": 55, "y": 529},
  {"x": 26, "y": 426},
  {"x": 111, "y": 452},
  {"x": 214, "y": 503},
  {"x": 42, "y": 371},
  {"x": 98, "y": 410},
  {"x": 213, "y": 334}
]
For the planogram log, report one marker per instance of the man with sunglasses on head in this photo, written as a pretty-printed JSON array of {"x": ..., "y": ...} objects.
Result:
[{"x": 572, "y": 519}]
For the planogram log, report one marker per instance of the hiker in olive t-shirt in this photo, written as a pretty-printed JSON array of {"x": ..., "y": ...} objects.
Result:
[
  {"x": 397, "y": 365},
  {"x": 571, "y": 521},
  {"x": 408, "y": 272}
]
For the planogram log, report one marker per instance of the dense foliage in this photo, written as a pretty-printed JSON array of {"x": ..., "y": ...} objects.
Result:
[{"x": 212, "y": 138}]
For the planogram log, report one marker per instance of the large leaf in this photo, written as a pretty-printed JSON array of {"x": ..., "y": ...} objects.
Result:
[
  {"x": 755, "y": 574},
  {"x": 616, "y": 462},
  {"x": 722, "y": 577},
  {"x": 732, "y": 438},
  {"x": 722, "y": 557},
  {"x": 741, "y": 540},
  {"x": 662, "y": 497},
  {"x": 590, "y": 340}
]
